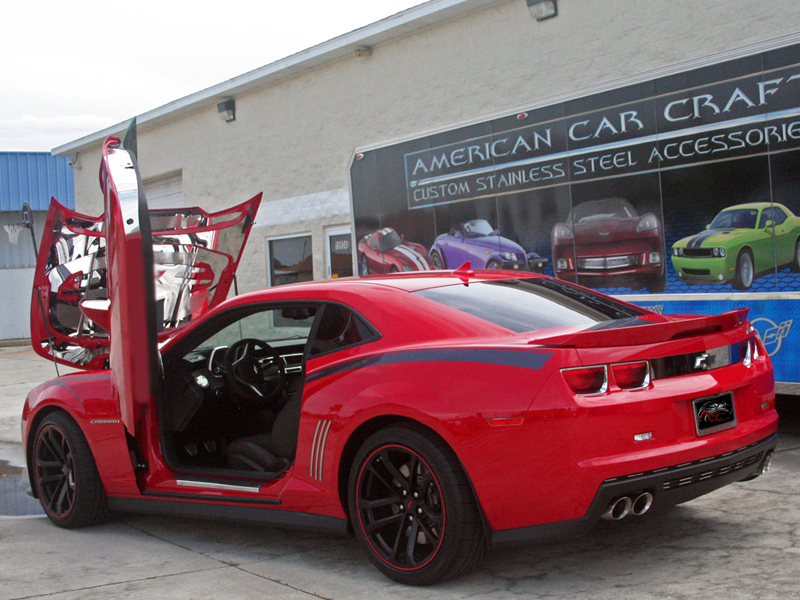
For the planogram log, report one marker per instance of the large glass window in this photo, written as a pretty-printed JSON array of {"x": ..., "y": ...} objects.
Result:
[
  {"x": 531, "y": 304},
  {"x": 290, "y": 260}
]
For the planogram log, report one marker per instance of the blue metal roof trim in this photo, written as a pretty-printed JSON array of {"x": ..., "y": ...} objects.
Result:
[{"x": 35, "y": 177}]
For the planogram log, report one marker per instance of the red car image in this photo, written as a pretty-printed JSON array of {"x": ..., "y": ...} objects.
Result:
[
  {"x": 606, "y": 243},
  {"x": 434, "y": 415},
  {"x": 386, "y": 251}
]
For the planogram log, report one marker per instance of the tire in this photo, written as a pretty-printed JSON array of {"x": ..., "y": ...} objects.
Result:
[
  {"x": 745, "y": 270},
  {"x": 65, "y": 474},
  {"x": 416, "y": 530},
  {"x": 493, "y": 264},
  {"x": 364, "y": 266},
  {"x": 796, "y": 261},
  {"x": 437, "y": 261}
]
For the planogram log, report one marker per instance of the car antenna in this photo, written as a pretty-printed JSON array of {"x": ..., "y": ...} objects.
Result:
[{"x": 465, "y": 272}]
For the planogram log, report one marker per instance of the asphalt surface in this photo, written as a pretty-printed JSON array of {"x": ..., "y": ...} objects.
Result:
[{"x": 740, "y": 542}]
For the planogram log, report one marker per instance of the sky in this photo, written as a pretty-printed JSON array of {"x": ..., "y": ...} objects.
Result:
[{"x": 69, "y": 69}]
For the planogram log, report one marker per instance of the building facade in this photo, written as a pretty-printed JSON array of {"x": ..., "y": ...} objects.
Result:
[{"x": 32, "y": 178}]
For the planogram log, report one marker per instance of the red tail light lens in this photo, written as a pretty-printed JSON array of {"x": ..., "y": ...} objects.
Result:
[
  {"x": 632, "y": 376},
  {"x": 587, "y": 381}
]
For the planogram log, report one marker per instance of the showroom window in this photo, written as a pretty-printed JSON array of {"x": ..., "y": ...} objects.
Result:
[{"x": 290, "y": 260}]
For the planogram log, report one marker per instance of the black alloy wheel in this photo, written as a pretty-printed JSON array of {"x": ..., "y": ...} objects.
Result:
[
  {"x": 412, "y": 508},
  {"x": 66, "y": 477}
]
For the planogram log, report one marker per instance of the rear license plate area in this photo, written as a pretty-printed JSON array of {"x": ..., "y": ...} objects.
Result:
[{"x": 714, "y": 413}]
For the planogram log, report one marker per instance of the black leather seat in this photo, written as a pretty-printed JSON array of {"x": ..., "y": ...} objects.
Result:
[{"x": 273, "y": 451}]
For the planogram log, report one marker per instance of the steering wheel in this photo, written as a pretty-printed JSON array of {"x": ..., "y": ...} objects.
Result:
[{"x": 249, "y": 376}]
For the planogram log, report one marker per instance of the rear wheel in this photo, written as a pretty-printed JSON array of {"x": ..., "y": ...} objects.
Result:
[
  {"x": 745, "y": 270},
  {"x": 436, "y": 259},
  {"x": 796, "y": 261},
  {"x": 412, "y": 508},
  {"x": 364, "y": 265},
  {"x": 65, "y": 473},
  {"x": 493, "y": 264}
]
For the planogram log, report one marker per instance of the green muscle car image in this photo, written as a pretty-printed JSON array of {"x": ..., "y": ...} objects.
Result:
[{"x": 738, "y": 245}]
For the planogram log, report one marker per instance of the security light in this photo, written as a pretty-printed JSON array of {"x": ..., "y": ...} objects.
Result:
[
  {"x": 543, "y": 9},
  {"x": 227, "y": 110}
]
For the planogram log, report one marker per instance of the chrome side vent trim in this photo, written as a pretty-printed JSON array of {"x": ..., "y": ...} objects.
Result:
[{"x": 318, "y": 449}]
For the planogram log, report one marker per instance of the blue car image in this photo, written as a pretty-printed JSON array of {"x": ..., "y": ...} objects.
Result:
[{"x": 477, "y": 241}]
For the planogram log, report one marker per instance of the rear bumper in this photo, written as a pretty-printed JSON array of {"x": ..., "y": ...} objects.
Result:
[{"x": 669, "y": 486}]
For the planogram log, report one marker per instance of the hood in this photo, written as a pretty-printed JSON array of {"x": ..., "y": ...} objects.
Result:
[
  {"x": 710, "y": 238},
  {"x": 406, "y": 254},
  {"x": 191, "y": 260}
]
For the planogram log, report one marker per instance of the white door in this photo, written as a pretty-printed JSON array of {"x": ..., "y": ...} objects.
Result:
[{"x": 338, "y": 252}]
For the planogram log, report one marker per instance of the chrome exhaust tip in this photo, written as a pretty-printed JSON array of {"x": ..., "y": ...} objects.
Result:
[
  {"x": 767, "y": 462},
  {"x": 618, "y": 509},
  {"x": 642, "y": 503}
]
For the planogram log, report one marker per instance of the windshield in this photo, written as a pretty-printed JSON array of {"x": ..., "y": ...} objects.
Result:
[
  {"x": 477, "y": 228},
  {"x": 531, "y": 304},
  {"x": 389, "y": 241},
  {"x": 738, "y": 218},
  {"x": 614, "y": 208}
]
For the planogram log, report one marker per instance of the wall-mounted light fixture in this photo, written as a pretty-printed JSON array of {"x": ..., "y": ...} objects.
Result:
[
  {"x": 364, "y": 51},
  {"x": 227, "y": 110},
  {"x": 543, "y": 9}
]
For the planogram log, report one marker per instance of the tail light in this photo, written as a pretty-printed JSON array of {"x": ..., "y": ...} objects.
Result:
[
  {"x": 587, "y": 381},
  {"x": 632, "y": 376},
  {"x": 748, "y": 351}
]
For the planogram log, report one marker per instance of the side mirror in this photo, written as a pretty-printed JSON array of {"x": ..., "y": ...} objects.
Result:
[
  {"x": 403, "y": 237},
  {"x": 497, "y": 232},
  {"x": 769, "y": 225},
  {"x": 459, "y": 234},
  {"x": 709, "y": 225}
]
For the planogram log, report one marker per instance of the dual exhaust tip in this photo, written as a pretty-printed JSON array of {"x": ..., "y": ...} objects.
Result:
[{"x": 636, "y": 504}]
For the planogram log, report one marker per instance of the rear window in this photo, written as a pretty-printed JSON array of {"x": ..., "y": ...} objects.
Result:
[{"x": 531, "y": 304}]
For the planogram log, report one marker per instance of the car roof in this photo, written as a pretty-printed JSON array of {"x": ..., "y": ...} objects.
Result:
[
  {"x": 752, "y": 205},
  {"x": 408, "y": 282}
]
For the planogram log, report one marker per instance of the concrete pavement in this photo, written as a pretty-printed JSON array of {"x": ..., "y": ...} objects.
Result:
[{"x": 741, "y": 542}]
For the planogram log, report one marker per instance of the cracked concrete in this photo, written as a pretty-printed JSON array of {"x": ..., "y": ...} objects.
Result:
[{"x": 738, "y": 543}]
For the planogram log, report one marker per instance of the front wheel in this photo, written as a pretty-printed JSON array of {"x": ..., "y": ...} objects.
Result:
[
  {"x": 436, "y": 259},
  {"x": 412, "y": 508},
  {"x": 745, "y": 271},
  {"x": 364, "y": 266},
  {"x": 66, "y": 477}
]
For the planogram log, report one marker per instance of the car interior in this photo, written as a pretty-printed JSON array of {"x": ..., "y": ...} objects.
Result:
[{"x": 230, "y": 402}]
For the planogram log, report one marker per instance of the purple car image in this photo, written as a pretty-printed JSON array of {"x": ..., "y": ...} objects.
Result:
[{"x": 480, "y": 243}]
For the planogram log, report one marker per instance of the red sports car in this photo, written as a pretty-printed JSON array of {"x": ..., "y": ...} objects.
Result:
[
  {"x": 386, "y": 251},
  {"x": 433, "y": 414},
  {"x": 606, "y": 243}
]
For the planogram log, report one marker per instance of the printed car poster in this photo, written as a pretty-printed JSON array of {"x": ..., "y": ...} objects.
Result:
[{"x": 687, "y": 184}]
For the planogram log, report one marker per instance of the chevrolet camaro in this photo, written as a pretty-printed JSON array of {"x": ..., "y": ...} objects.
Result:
[{"x": 433, "y": 415}]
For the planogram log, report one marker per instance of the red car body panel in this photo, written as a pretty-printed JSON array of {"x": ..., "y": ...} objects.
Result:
[{"x": 405, "y": 256}]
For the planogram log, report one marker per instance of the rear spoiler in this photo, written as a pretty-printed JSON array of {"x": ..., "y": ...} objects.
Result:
[{"x": 647, "y": 329}]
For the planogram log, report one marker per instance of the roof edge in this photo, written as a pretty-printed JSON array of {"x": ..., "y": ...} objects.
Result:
[{"x": 385, "y": 30}]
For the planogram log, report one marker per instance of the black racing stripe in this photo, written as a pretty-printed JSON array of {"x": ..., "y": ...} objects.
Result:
[
  {"x": 510, "y": 358},
  {"x": 697, "y": 240}
]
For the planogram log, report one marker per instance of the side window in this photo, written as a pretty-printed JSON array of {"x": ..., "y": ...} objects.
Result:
[
  {"x": 373, "y": 243},
  {"x": 339, "y": 328},
  {"x": 778, "y": 215},
  {"x": 766, "y": 215}
]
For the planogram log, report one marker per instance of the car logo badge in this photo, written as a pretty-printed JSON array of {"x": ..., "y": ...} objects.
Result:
[{"x": 703, "y": 362}]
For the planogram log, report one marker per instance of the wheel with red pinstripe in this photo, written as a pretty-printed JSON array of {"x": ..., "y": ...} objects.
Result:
[{"x": 412, "y": 507}]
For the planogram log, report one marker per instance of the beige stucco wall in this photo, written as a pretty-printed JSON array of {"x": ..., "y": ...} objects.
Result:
[{"x": 293, "y": 140}]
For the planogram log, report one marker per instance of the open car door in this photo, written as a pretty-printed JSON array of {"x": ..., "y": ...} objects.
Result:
[{"x": 131, "y": 275}]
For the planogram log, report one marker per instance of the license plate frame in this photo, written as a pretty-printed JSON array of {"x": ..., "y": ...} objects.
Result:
[{"x": 714, "y": 413}]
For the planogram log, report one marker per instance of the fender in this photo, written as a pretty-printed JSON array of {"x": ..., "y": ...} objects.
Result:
[{"x": 86, "y": 397}]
